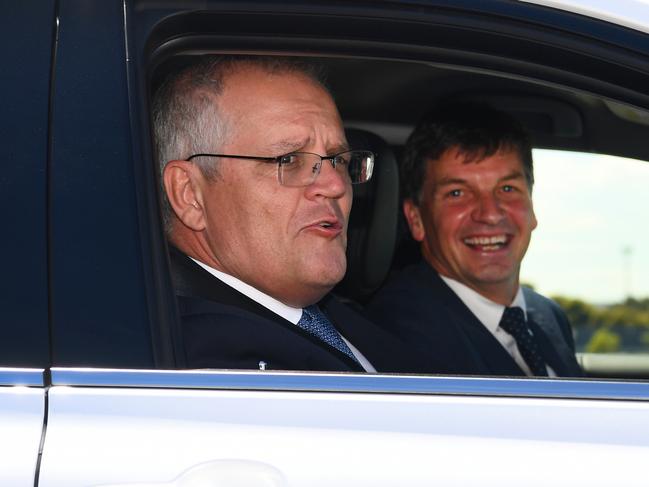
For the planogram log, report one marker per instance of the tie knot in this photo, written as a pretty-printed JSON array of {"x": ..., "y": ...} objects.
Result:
[
  {"x": 313, "y": 312},
  {"x": 513, "y": 321}
]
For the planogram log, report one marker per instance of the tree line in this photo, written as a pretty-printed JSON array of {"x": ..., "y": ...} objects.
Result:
[{"x": 619, "y": 327}]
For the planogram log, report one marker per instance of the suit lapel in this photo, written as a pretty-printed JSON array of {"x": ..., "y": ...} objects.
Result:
[
  {"x": 548, "y": 350},
  {"x": 552, "y": 350},
  {"x": 191, "y": 280},
  {"x": 379, "y": 347},
  {"x": 545, "y": 324},
  {"x": 485, "y": 352}
]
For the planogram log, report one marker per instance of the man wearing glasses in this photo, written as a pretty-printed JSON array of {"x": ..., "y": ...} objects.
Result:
[{"x": 258, "y": 181}]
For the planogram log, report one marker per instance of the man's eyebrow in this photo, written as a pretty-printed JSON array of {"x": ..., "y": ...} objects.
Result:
[
  {"x": 337, "y": 149},
  {"x": 287, "y": 145},
  {"x": 297, "y": 145},
  {"x": 450, "y": 181},
  {"x": 513, "y": 175}
]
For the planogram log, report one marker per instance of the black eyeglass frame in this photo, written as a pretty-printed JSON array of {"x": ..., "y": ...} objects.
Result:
[{"x": 278, "y": 159}]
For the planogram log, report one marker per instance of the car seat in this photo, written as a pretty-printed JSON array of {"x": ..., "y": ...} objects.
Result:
[{"x": 372, "y": 230}]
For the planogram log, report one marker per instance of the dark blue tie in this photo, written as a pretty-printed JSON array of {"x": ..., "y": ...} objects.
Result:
[
  {"x": 513, "y": 322},
  {"x": 316, "y": 323}
]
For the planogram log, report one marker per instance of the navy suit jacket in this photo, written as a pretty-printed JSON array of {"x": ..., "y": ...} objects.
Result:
[
  {"x": 223, "y": 328},
  {"x": 447, "y": 338}
]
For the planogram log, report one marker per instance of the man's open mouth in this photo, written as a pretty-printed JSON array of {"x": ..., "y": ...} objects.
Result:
[
  {"x": 487, "y": 244},
  {"x": 327, "y": 226},
  {"x": 330, "y": 223}
]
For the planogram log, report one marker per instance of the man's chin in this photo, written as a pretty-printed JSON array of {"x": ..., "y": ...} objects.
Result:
[
  {"x": 322, "y": 267},
  {"x": 332, "y": 275},
  {"x": 313, "y": 288},
  {"x": 329, "y": 274},
  {"x": 496, "y": 277}
]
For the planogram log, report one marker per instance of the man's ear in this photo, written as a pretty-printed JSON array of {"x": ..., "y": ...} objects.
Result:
[
  {"x": 181, "y": 181},
  {"x": 413, "y": 217}
]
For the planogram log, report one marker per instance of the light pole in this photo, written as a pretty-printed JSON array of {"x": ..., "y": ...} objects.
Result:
[{"x": 627, "y": 254}]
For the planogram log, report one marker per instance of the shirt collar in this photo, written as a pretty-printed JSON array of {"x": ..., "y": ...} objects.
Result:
[
  {"x": 287, "y": 312},
  {"x": 486, "y": 310}
]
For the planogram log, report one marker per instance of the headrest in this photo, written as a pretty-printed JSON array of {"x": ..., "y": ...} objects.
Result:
[{"x": 372, "y": 231}]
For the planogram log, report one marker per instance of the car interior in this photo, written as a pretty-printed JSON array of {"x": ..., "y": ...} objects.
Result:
[{"x": 382, "y": 97}]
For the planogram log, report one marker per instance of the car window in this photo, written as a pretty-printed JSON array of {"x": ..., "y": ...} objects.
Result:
[
  {"x": 589, "y": 251},
  {"x": 562, "y": 97}
]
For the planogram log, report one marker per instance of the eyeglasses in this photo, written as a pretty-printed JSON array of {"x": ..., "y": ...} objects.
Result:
[{"x": 302, "y": 168}]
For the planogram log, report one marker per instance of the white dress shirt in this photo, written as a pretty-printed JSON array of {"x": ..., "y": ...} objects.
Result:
[
  {"x": 489, "y": 314},
  {"x": 289, "y": 313}
]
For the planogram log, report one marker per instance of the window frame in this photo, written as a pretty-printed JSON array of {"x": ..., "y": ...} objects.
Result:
[{"x": 413, "y": 31}]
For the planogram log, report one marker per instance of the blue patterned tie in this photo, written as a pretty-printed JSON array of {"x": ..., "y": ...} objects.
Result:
[
  {"x": 316, "y": 323},
  {"x": 513, "y": 322}
]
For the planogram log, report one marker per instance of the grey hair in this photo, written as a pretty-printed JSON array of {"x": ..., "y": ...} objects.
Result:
[
  {"x": 186, "y": 121},
  {"x": 186, "y": 116}
]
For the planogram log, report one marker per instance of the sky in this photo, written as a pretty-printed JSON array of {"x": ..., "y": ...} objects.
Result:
[{"x": 592, "y": 241}]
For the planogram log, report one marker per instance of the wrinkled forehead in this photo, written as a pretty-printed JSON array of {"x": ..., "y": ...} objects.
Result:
[
  {"x": 255, "y": 87},
  {"x": 457, "y": 164},
  {"x": 478, "y": 154},
  {"x": 280, "y": 105}
]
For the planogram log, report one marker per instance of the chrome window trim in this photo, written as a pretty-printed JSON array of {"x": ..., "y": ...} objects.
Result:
[
  {"x": 15, "y": 376},
  {"x": 629, "y": 13},
  {"x": 344, "y": 382}
]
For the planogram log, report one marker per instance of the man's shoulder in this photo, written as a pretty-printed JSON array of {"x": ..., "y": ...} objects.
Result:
[
  {"x": 415, "y": 300},
  {"x": 220, "y": 334},
  {"x": 408, "y": 283},
  {"x": 195, "y": 289},
  {"x": 541, "y": 303},
  {"x": 384, "y": 349},
  {"x": 208, "y": 305},
  {"x": 413, "y": 294},
  {"x": 187, "y": 277},
  {"x": 549, "y": 316},
  {"x": 195, "y": 307},
  {"x": 353, "y": 323}
]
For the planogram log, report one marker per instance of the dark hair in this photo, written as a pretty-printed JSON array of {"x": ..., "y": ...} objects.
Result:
[{"x": 477, "y": 130}]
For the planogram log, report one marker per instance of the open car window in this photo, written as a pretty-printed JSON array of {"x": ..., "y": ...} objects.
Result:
[
  {"x": 573, "y": 81},
  {"x": 589, "y": 254}
]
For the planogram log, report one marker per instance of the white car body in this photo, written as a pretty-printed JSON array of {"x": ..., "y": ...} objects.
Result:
[
  {"x": 278, "y": 429},
  {"x": 70, "y": 426},
  {"x": 629, "y": 13}
]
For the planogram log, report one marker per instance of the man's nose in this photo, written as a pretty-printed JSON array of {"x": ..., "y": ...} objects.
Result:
[
  {"x": 488, "y": 209},
  {"x": 330, "y": 182}
]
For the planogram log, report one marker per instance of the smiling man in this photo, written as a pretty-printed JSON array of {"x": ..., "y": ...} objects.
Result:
[
  {"x": 467, "y": 185},
  {"x": 258, "y": 182}
]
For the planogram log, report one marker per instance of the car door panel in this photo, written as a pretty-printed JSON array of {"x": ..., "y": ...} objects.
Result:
[
  {"x": 22, "y": 414},
  {"x": 213, "y": 426}
]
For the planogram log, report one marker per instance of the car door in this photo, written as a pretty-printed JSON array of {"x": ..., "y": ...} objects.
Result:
[
  {"x": 119, "y": 413},
  {"x": 26, "y": 42},
  {"x": 22, "y": 414},
  {"x": 119, "y": 428}
]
